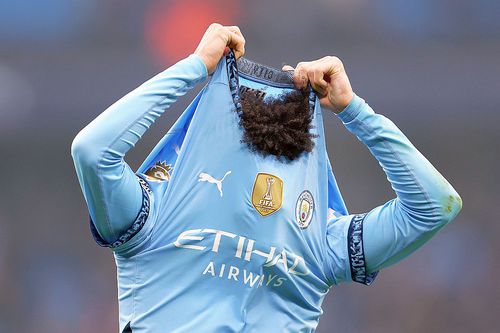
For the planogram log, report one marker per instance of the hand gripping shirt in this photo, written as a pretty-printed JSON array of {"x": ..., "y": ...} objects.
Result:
[{"x": 209, "y": 236}]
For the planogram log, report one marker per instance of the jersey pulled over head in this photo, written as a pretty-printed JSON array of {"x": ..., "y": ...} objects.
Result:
[
  {"x": 238, "y": 210},
  {"x": 241, "y": 224},
  {"x": 267, "y": 122}
]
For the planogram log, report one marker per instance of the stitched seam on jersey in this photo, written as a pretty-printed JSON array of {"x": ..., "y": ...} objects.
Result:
[{"x": 103, "y": 152}]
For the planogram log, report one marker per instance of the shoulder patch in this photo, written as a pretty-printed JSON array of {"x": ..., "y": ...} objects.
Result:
[{"x": 160, "y": 171}]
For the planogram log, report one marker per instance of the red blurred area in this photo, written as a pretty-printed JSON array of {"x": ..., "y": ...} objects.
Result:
[{"x": 174, "y": 28}]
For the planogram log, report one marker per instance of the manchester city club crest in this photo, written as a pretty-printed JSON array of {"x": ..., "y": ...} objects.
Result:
[
  {"x": 160, "y": 171},
  {"x": 267, "y": 194},
  {"x": 304, "y": 209}
]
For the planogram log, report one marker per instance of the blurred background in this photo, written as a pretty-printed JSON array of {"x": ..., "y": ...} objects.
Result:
[{"x": 432, "y": 66}]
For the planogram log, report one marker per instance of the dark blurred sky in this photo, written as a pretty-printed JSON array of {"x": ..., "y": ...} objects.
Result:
[{"x": 432, "y": 66}]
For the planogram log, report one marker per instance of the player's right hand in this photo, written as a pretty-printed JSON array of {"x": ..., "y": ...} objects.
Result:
[{"x": 216, "y": 43}]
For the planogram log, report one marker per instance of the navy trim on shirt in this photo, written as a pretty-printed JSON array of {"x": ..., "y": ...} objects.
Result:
[
  {"x": 356, "y": 251},
  {"x": 256, "y": 72},
  {"x": 136, "y": 226}
]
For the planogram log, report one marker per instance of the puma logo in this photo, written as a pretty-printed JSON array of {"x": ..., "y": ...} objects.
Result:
[{"x": 205, "y": 177}]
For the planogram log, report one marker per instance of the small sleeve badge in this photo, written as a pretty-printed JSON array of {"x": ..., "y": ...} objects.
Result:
[{"x": 160, "y": 171}]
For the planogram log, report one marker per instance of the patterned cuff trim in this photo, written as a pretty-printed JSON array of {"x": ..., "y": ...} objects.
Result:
[
  {"x": 139, "y": 221},
  {"x": 356, "y": 251}
]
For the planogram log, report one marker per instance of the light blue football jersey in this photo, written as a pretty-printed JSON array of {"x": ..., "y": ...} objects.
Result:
[
  {"x": 227, "y": 240},
  {"x": 236, "y": 241}
]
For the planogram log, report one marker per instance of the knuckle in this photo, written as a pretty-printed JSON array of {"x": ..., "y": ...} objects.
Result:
[
  {"x": 297, "y": 77},
  {"x": 335, "y": 59}
]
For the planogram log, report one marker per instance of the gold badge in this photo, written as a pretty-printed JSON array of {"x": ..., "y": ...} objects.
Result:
[
  {"x": 159, "y": 172},
  {"x": 267, "y": 194}
]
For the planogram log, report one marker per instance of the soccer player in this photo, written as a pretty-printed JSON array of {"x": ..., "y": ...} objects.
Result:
[{"x": 234, "y": 223}]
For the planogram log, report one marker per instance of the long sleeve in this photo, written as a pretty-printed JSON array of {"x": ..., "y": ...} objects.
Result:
[
  {"x": 425, "y": 201},
  {"x": 111, "y": 189}
]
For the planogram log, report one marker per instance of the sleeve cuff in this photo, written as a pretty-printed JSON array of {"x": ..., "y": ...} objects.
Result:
[
  {"x": 352, "y": 110},
  {"x": 356, "y": 252},
  {"x": 124, "y": 241}
]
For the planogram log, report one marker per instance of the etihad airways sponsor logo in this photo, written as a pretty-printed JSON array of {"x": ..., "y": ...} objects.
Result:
[
  {"x": 242, "y": 275},
  {"x": 244, "y": 248}
]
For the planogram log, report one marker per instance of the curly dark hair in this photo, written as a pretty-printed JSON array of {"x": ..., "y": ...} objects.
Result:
[{"x": 279, "y": 126}]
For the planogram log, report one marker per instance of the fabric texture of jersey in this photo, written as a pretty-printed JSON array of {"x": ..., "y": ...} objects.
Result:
[
  {"x": 212, "y": 236},
  {"x": 209, "y": 236}
]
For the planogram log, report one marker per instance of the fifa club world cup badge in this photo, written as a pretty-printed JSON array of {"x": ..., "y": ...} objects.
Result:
[
  {"x": 304, "y": 209},
  {"x": 267, "y": 194},
  {"x": 160, "y": 171}
]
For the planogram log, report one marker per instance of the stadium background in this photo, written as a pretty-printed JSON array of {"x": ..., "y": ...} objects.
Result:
[{"x": 431, "y": 66}]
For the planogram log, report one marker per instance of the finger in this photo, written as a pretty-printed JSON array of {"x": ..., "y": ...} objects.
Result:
[
  {"x": 330, "y": 65},
  {"x": 300, "y": 76},
  {"x": 318, "y": 83},
  {"x": 287, "y": 68},
  {"x": 235, "y": 29},
  {"x": 237, "y": 43},
  {"x": 320, "y": 71}
]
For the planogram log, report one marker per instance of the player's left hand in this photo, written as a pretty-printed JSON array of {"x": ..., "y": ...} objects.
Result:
[{"x": 328, "y": 78}]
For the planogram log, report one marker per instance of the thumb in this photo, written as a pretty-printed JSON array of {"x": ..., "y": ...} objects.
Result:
[{"x": 287, "y": 68}]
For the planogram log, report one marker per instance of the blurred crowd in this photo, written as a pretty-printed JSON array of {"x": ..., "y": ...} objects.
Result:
[{"x": 431, "y": 66}]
